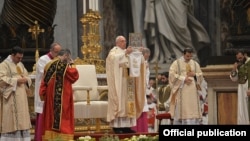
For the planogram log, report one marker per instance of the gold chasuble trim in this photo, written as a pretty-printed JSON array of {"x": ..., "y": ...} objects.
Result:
[
  {"x": 131, "y": 97},
  {"x": 55, "y": 135}
]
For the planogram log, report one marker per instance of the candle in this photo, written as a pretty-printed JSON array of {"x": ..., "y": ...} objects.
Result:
[
  {"x": 90, "y": 4},
  {"x": 93, "y": 6},
  {"x": 97, "y": 5},
  {"x": 84, "y": 6}
]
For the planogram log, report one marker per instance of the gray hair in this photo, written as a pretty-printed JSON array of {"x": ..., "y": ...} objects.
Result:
[
  {"x": 64, "y": 51},
  {"x": 53, "y": 45},
  {"x": 145, "y": 50},
  {"x": 118, "y": 38}
]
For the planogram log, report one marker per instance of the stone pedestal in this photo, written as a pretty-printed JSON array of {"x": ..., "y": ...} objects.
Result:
[{"x": 222, "y": 94}]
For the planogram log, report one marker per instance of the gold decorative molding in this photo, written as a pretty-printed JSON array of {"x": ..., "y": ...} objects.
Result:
[{"x": 91, "y": 47}]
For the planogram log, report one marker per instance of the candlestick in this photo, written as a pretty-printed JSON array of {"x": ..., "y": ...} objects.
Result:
[{"x": 84, "y": 6}]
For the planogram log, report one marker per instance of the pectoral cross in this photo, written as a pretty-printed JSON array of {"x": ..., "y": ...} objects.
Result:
[{"x": 35, "y": 31}]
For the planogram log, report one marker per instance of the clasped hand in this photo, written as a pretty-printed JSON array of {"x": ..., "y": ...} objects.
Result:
[
  {"x": 188, "y": 80},
  {"x": 22, "y": 80}
]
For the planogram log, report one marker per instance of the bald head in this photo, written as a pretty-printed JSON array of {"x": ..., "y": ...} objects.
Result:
[{"x": 54, "y": 49}]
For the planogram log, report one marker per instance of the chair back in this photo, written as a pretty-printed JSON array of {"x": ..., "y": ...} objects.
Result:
[{"x": 87, "y": 77}]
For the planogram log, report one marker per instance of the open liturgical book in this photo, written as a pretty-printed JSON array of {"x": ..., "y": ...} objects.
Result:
[{"x": 135, "y": 41}]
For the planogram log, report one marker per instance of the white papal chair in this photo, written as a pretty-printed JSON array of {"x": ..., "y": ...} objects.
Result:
[{"x": 87, "y": 102}]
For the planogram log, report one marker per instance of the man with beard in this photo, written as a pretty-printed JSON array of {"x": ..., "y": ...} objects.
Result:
[
  {"x": 163, "y": 95},
  {"x": 240, "y": 74},
  {"x": 163, "y": 92}
]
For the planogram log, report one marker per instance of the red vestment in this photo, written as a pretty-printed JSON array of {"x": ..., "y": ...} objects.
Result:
[{"x": 56, "y": 90}]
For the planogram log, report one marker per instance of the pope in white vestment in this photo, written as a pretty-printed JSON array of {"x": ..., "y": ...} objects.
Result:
[{"x": 126, "y": 96}]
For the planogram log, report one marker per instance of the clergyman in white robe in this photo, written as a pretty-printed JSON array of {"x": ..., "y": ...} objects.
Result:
[
  {"x": 126, "y": 101},
  {"x": 184, "y": 98},
  {"x": 14, "y": 110}
]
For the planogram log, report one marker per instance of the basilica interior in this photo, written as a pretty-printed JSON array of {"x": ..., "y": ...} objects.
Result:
[{"x": 89, "y": 28}]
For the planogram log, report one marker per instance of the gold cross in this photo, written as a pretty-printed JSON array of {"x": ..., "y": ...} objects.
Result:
[{"x": 35, "y": 30}]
